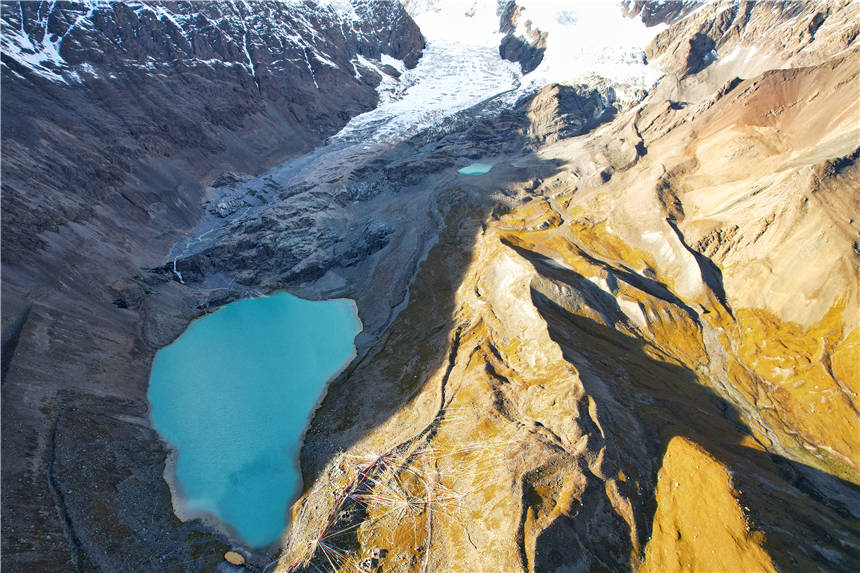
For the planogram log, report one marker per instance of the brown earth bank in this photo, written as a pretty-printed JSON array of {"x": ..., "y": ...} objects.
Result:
[{"x": 632, "y": 345}]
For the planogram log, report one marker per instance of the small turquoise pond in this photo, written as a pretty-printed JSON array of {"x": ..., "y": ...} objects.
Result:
[
  {"x": 233, "y": 395},
  {"x": 476, "y": 169}
]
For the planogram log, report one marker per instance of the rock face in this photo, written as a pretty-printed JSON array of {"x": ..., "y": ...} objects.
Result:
[
  {"x": 743, "y": 33},
  {"x": 653, "y": 12},
  {"x": 613, "y": 353},
  {"x": 143, "y": 81},
  {"x": 113, "y": 115},
  {"x": 522, "y": 43},
  {"x": 561, "y": 111}
]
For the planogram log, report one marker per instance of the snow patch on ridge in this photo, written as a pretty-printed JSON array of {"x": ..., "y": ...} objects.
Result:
[
  {"x": 39, "y": 50},
  {"x": 394, "y": 63},
  {"x": 27, "y": 42}
]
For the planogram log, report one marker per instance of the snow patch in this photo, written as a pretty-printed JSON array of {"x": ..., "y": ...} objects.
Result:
[
  {"x": 586, "y": 38},
  {"x": 389, "y": 88},
  {"x": 751, "y": 51},
  {"x": 732, "y": 56},
  {"x": 473, "y": 23},
  {"x": 39, "y": 51},
  {"x": 600, "y": 282},
  {"x": 633, "y": 311}
]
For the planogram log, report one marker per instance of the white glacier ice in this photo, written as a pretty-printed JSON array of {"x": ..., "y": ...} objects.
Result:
[
  {"x": 461, "y": 65},
  {"x": 589, "y": 38}
]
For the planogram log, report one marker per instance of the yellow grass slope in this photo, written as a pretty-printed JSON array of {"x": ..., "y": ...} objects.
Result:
[{"x": 700, "y": 524}]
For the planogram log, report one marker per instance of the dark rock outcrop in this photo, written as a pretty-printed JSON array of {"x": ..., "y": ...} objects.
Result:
[
  {"x": 697, "y": 53},
  {"x": 653, "y": 12},
  {"x": 527, "y": 50},
  {"x": 517, "y": 49}
]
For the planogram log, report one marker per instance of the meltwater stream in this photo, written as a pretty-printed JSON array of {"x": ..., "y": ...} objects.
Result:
[{"x": 233, "y": 395}]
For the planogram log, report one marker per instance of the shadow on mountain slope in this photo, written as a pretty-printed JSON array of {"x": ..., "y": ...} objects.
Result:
[{"x": 802, "y": 525}]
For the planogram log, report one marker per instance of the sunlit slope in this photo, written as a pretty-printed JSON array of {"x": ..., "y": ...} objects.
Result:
[
  {"x": 650, "y": 363},
  {"x": 748, "y": 216}
]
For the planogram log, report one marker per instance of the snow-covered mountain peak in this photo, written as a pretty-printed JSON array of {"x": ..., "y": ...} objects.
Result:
[{"x": 462, "y": 64}]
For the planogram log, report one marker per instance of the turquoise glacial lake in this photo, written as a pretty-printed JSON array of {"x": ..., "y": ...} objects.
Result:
[
  {"x": 476, "y": 169},
  {"x": 233, "y": 395}
]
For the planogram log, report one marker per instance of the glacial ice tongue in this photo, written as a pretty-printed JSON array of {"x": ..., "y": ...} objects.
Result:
[{"x": 461, "y": 65}]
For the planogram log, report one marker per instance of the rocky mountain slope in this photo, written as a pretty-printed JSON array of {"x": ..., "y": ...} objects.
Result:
[
  {"x": 113, "y": 117},
  {"x": 240, "y": 84},
  {"x": 632, "y": 345}
]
